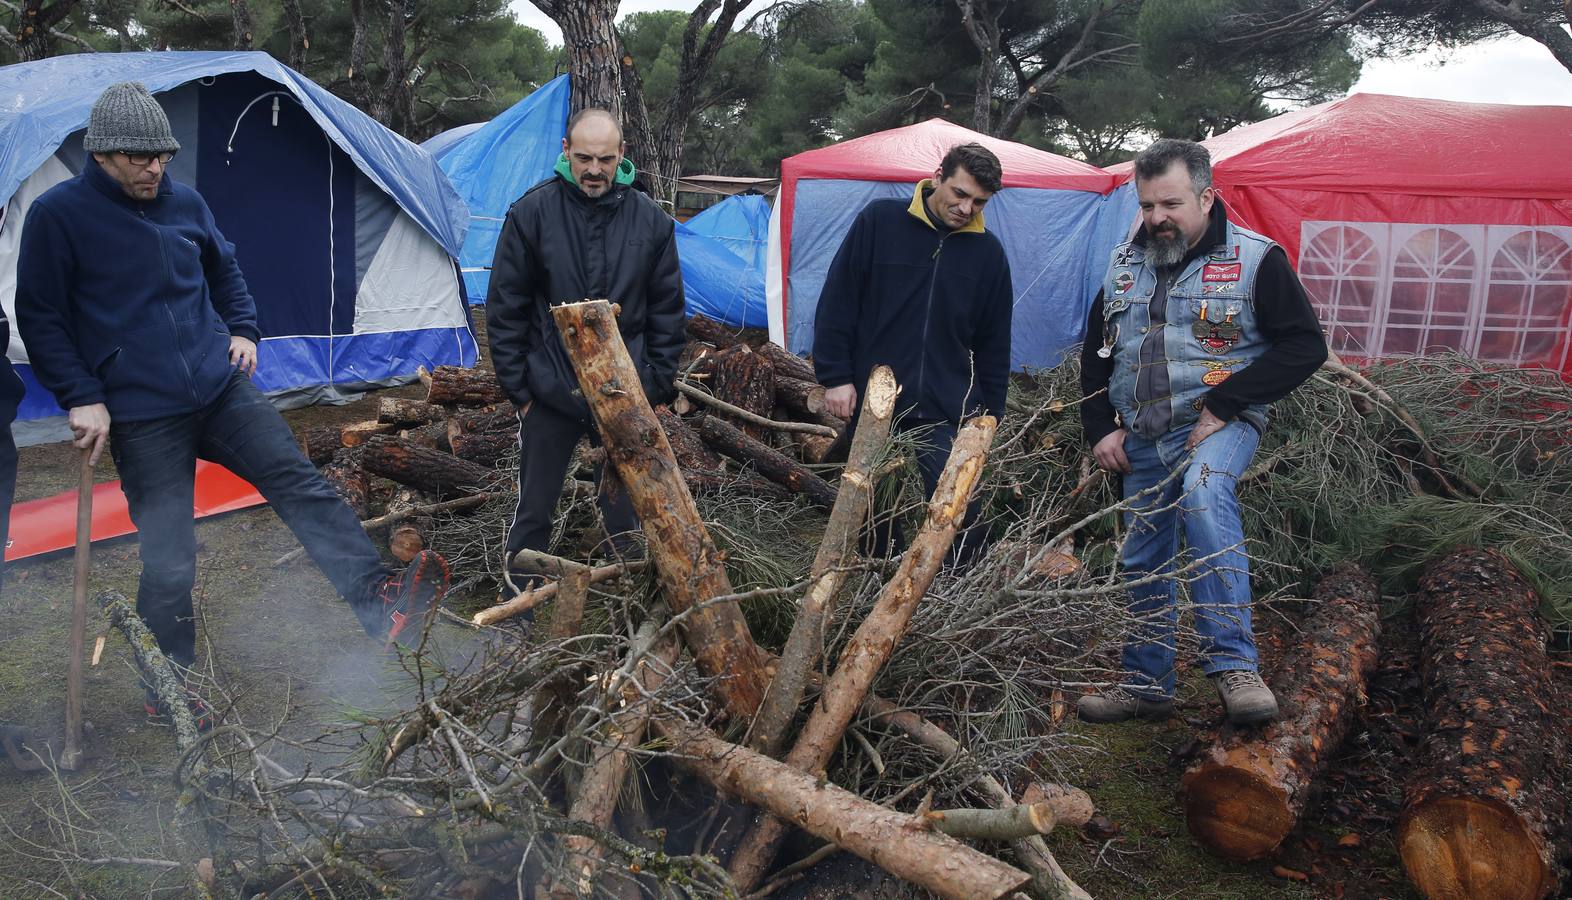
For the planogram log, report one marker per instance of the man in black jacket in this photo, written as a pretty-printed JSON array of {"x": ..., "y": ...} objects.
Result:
[
  {"x": 922, "y": 287},
  {"x": 10, "y": 396},
  {"x": 582, "y": 234}
]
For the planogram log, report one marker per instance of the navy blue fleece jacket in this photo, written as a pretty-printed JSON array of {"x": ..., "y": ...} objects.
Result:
[
  {"x": 129, "y": 303},
  {"x": 933, "y": 304}
]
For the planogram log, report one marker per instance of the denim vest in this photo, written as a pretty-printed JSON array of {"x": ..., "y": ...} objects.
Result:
[{"x": 1211, "y": 329}]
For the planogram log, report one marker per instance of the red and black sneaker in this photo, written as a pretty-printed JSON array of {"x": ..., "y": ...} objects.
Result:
[
  {"x": 200, "y": 712},
  {"x": 412, "y": 596}
]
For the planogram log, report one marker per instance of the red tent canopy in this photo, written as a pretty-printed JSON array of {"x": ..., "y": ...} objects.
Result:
[{"x": 1417, "y": 225}]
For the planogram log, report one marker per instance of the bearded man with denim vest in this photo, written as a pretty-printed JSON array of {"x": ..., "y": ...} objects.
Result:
[
  {"x": 1200, "y": 326},
  {"x": 137, "y": 318}
]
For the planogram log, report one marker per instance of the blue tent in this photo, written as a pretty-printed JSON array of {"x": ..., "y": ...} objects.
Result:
[
  {"x": 345, "y": 231},
  {"x": 439, "y": 145},
  {"x": 742, "y": 223},
  {"x": 723, "y": 252}
]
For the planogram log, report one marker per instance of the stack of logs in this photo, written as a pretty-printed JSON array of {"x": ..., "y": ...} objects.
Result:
[{"x": 1486, "y": 796}]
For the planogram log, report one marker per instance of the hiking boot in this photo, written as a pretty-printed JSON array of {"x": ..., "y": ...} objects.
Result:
[
  {"x": 1120, "y": 705},
  {"x": 412, "y": 596},
  {"x": 1245, "y": 697},
  {"x": 200, "y": 713}
]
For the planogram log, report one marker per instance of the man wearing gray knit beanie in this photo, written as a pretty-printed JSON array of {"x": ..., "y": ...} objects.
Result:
[{"x": 138, "y": 319}]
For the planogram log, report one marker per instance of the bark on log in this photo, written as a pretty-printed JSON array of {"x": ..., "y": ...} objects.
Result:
[
  {"x": 747, "y": 381},
  {"x": 814, "y": 449},
  {"x": 320, "y": 442},
  {"x": 413, "y": 533},
  {"x": 806, "y": 641},
  {"x": 688, "y": 390},
  {"x": 875, "y": 639},
  {"x": 891, "y": 840},
  {"x": 693, "y": 455},
  {"x": 406, "y": 412},
  {"x": 802, "y": 397},
  {"x": 458, "y": 386},
  {"x": 1246, "y": 793},
  {"x": 433, "y": 436},
  {"x": 349, "y": 481},
  {"x": 484, "y": 448},
  {"x": 357, "y": 433},
  {"x": 772, "y": 464},
  {"x": 690, "y": 566},
  {"x": 1008, "y": 823},
  {"x": 1488, "y": 799},
  {"x": 703, "y": 328},
  {"x": 787, "y": 364},
  {"x": 419, "y": 467}
]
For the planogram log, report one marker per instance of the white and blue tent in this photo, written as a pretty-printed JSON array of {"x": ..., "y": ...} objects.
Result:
[{"x": 346, "y": 232}]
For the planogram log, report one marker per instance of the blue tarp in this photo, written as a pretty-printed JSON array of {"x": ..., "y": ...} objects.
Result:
[
  {"x": 742, "y": 223},
  {"x": 440, "y": 145},
  {"x": 496, "y": 164},
  {"x": 1057, "y": 242},
  {"x": 719, "y": 283},
  {"x": 43, "y": 102}
]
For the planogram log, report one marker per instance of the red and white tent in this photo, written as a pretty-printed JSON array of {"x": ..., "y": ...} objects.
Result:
[{"x": 1417, "y": 225}]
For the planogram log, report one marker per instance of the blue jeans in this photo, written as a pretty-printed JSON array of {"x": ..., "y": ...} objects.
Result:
[
  {"x": 241, "y": 431},
  {"x": 1200, "y": 502}
]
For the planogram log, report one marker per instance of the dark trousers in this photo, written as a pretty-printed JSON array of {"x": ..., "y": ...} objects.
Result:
[
  {"x": 7, "y": 491},
  {"x": 241, "y": 431},
  {"x": 934, "y": 440},
  {"x": 546, "y": 442}
]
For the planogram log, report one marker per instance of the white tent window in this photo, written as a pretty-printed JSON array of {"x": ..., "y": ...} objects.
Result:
[{"x": 1498, "y": 292}]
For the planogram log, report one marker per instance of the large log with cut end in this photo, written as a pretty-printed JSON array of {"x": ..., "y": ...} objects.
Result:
[
  {"x": 802, "y": 397},
  {"x": 895, "y": 842},
  {"x": 458, "y": 386},
  {"x": 688, "y": 563},
  {"x": 746, "y": 380},
  {"x": 422, "y": 467},
  {"x": 1488, "y": 798},
  {"x": 356, "y": 433},
  {"x": 771, "y": 463},
  {"x": 786, "y": 363},
  {"x": 405, "y": 412},
  {"x": 319, "y": 443},
  {"x": 1247, "y": 791}
]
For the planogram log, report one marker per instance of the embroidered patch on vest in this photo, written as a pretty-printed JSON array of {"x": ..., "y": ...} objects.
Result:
[
  {"x": 1221, "y": 271},
  {"x": 1215, "y": 377},
  {"x": 1123, "y": 281},
  {"x": 1216, "y": 337}
]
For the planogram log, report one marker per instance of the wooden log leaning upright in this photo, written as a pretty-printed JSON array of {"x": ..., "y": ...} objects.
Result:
[
  {"x": 1484, "y": 805},
  {"x": 873, "y": 643},
  {"x": 688, "y": 563},
  {"x": 806, "y": 641},
  {"x": 1246, "y": 792}
]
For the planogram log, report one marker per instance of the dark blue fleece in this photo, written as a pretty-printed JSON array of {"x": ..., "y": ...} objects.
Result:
[
  {"x": 933, "y": 305},
  {"x": 127, "y": 303},
  {"x": 10, "y": 383}
]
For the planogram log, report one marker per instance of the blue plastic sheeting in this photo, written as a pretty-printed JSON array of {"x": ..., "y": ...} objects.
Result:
[
  {"x": 742, "y": 223},
  {"x": 1057, "y": 242},
  {"x": 43, "y": 102},
  {"x": 719, "y": 283},
  {"x": 37, "y": 403},
  {"x": 356, "y": 359},
  {"x": 496, "y": 164},
  {"x": 441, "y": 144}
]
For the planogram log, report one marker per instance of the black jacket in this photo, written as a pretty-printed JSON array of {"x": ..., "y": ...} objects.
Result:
[
  {"x": 1285, "y": 315},
  {"x": 559, "y": 246},
  {"x": 10, "y": 383},
  {"x": 934, "y": 305}
]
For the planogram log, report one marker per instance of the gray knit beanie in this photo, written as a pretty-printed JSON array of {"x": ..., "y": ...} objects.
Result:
[{"x": 126, "y": 117}]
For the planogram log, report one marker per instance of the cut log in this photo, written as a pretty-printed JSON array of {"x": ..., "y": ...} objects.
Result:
[
  {"x": 1010, "y": 823},
  {"x": 356, "y": 433},
  {"x": 1486, "y": 802},
  {"x": 685, "y": 389},
  {"x": 429, "y": 470},
  {"x": 693, "y": 455},
  {"x": 458, "y": 386},
  {"x": 413, "y": 532},
  {"x": 772, "y": 464},
  {"x": 786, "y": 363},
  {"x": 875, "y": 639},
  {"x": 814, "y": 448},
  {"x": 724, "y": 484},
  {"x": 746, "y": 380},
  {"x": 407, "y": 413},
  {"x": 703, "y": 328},
  {"x": 433, "y": 436},
  {"x": 349, "y": 480},
  {"x": 806, "y": 641},
  {"x": 1245, "y": 794},
  {"x": 320, "y": 442},
  {"x": 690, "y": 566},
  {"x": 802, "y": 397},
  {"x": 889, "y": 839},
  {"x": 484, "y": 448}
]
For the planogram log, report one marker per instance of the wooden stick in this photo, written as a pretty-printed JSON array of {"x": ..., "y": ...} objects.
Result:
[
  {"x": 1006, "y": 824},
  {"x": 688, "y": 390},
  {"x": 71, "y": 756},
  {"x": 529, "y": 599},
  {"x": 401, "y": 515},
  {"x": 806, "y": 641},
  {"x": 873, "y": 643},
  {"x": 882, "y": 836}
]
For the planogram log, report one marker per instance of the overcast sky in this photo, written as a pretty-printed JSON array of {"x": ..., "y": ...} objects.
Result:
[{"x": 1512, "y": 70}]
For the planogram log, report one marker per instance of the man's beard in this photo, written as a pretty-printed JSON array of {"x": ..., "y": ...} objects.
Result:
[{"x": 1164, "y": 249}]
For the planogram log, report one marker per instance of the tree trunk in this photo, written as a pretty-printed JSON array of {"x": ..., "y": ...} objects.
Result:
[
  {"x": 981, "y": 20},
  {"x": 429, "y": 470},
  {"x": 747, "y": 381},
  {"x": 1487, "y": 800},
  {"x": 1247, "y": 792},
  {"x": 806, "y": 641},
  {"x": 35, "y": 27},
  {"x": 242, "y": 27},
  {"x": 590, "y": 39},
  {"x": 458, "y": 386},
  {"x": 348, "y": 479},
  {"x": 394, "y": 104},
  {"x": 406, "y": 413},
  {"x": 891, "y": 840},
  {"x": 359, "y": 43},
  {"x": 689, "y": 565},
  {"x": 875, "y": 640},
  {"x": 770, "y": 463},
  {"x": 299, "y": 40}
]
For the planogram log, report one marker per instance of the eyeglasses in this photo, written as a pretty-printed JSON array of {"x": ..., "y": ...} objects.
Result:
[{"x": 142, "y": 160}]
